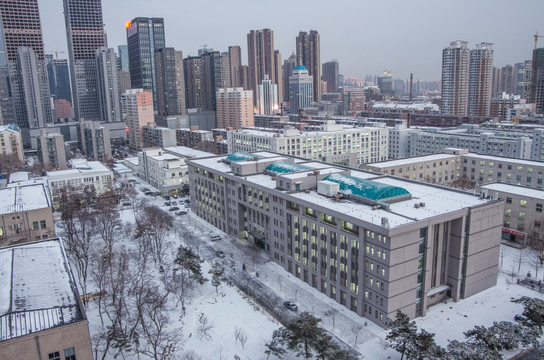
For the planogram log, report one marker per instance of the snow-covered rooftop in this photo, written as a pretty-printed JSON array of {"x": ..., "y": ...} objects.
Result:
[
  {"x": 187, "y": 152},
  {"x": 504, "y": 159},
  {"x": 24, "y": 198},
  {"x": 79, "y": 168},
  {"x": 19, "y": 176},
  {"x": 37, "y": 291},
  {"x": 516, "y": 190},
  {"x": 406, "y": 161}
]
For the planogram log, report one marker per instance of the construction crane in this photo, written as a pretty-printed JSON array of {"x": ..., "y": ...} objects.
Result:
[{"x": 536, "y": 38}]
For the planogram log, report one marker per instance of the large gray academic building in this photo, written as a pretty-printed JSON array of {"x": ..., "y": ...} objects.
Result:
[{"x": 374, "y": 243}]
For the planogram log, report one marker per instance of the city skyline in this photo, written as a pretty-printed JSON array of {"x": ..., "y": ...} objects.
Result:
[{"x": 407, "y": 38}]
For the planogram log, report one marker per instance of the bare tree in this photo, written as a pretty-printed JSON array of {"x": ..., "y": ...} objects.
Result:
[
  {"x": 154, "y": 225},
  {"x": 521, "y": 256},
  {"x": 179, "y": 283},
  {"x": 356, "y": 330},
  {"x": 9, "y": 163},
  {"x": 237, "y": 332},
  {"x": 332, "y": 313},
  {"x": 243, "y": 339},
  {"x": 190, "y": 355},
  {"x": 205, "y": 327}
]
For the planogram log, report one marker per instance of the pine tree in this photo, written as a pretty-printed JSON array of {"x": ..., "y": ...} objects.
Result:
[
  {"x": 189, "y": 261},
  {"x": 276, "y": 345},
  {"x": 303, "y": 333},
  {"x": 402, "y": 333},
  {"x": 533, "y": 312}
]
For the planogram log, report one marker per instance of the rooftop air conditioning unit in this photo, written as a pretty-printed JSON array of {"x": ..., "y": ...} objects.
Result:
[{"x": 385, "y": 222}]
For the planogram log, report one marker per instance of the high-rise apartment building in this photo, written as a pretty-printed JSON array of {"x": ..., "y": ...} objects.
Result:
[
  {"x": 278, "y": 74},
  {"x": 522, "y": 78},
  {"x": 455, "y": 79},
  {"x": 108, "y": 85},
  {"x": 353, "y": 99},
  {"x": 309, "y": 55},
  {"x": 234, "y": 108},
  {"x": 170, "y": 82},
  {"x": 267, "y": 97},
  {"x": 94, "y": 140},
  {"x": 194, "y": 88},
  {"x": 7, "y": 109},
  {"x": 242, "y": 77},
  {"x": 137, "y": 106},
  {"x": 301, "y": 92},
  {"x": 226, "y": 80},
  {"x": 85, "y": 34},
  {"x": 123, "y": 58},
  {"x": 211, "y": 65},
  {"x": 144, "y": 37},
  {"x": 235, "y": 60},
  {"x": 25, "y": 58},
  {"x": 202, "y": 79},
  {"x": 330, "y": 75},
  {"x": 537, "y": 80},
  {"x": 288, "y": 66},
  {"x": 260, "y": 54},
  {"x": 479, "y": 80}
]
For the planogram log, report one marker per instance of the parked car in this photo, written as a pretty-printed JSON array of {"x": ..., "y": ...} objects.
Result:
[
  {"x": 215, "y": 237},
  {"x": 187, "y": 206},
  {"x": 167, "y": 203},
  {"x": 174, "y": 202},
  {"x": 220, "y": 254},
  {"x": 173, "y": 208},
  {"x": 175, "y": 196},
  {"x": 148, "y": 193},
  {"x": 166, "y": 197},
  {"x": 126, "y": 203},
  {"x": 144, "y": 189},
  {"x": 181, "y": 213},
  {"x": 187, "y": 201},
  {"x": 290, "y": 305}
]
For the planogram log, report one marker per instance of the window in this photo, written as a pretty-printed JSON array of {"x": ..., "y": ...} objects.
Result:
[
  {"x": 537, "y": 224},
  {"x": 521, "y": 215},
  {"x": 539, "y": 208},
  {"x": 42, "y": 224},
  {"x": 54, "y": 356},
  {"x": 35, "y": 225},
  {"x": 70, "y": 354},
  {"x": 507, "y": 212},
  {"x": 523, "y": 203},
  {"x": 508, "y": 200}
]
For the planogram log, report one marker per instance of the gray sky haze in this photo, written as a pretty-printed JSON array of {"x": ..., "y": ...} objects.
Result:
[{"x": 366, "y": 37}]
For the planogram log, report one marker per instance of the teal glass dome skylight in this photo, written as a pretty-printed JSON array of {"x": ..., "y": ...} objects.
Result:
[
  {"x": 241, "y": 156},
  {"x": 285, "y": 167},
  {"x": 367, "y": 188}
]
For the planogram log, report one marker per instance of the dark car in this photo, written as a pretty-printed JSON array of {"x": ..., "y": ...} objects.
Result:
[
  {"x": 181, "y": 213},
  {"x": 187, "y": 201},
  {"x": 166, "y": 197},
  {"x": 221, "y": 254},
  {"x": 167, "y": 203},
  {"x": 290, "y": 305},
  {"x": 148, "y": 193},
  {"x": 144, "y": 189},
  {"x": 175, "y": 196},
  {"x": 173, "y": 208}
]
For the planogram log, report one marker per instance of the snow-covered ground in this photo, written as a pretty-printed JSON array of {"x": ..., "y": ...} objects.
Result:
[{"x": 230, "y": 309}]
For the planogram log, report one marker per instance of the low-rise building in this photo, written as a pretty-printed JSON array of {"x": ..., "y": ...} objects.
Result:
[
  {"x": 375, "y": 244},
  {"x": 41, "y": 315},
  {"x": 11, "y": 142},
  {"x": 95, "y": 141},
  {"x": 165, "y": 171},
  {"x": 84, "y": 178},
  {"x": 155, "y": 136},
  {"x": 51, "y": 150},
  {"x": 333, "y": 143},
  {"x": 523, "y": 216},
  {"x": 25, "y": 214}
]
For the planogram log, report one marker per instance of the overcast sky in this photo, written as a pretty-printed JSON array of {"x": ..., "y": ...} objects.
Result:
[{"x": 366, "y": 37}]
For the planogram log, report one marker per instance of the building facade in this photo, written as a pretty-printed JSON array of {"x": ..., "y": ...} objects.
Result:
[
  {"x": 234, "y": 108},
  {"x": 267, "y": 97},
  {"x": 170, "y": 82},
  {"x": 108, "y": 85},
  {"x": 373, "y": 243},
  {"x": 479, "y": 80},
  {"x": 137, "y": 106},
  {"x": 94, "y": 140},
  {"x": 165, "y": 171},
  {"x": 144, "y": 37},
  {"x": 308, "y": 47},
  {"x": 11, "y": 142},
  {"x": 260, "y": 55},
  {"x": 85, "y": 34},
  {"x": 330, "y": 75},
  {"x": 332, "y": 143},
  {"x": 537, "y": 80},
  {"x": 159, "y": 137},
  {"x": 51, "y": 151},
  {"x": 300, "y": 89},
  {"x": 455, "y": 60}
]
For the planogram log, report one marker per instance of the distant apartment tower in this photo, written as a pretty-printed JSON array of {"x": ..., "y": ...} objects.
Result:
[
  {"x": 235, "y": 61},
  {"x": 267, "y": 97},
  {"x": 330, "y": 75},
  {"x": 22, "y": 34},
  {"x": 11, "y": 142},
  {"x": 124, "y": 82},
  {"x": 108, "y": 85},
  {"x": 522, "y": 78},
  {"x": 58, "y": 73},
  {"x": 225, "y": 70},
  {"x": 537, "y": 80},
  {"x": 234, "y": 108},
  {"x": 85, "y": 34},
  {"x": 479, "y": 80},
  {"x": 144, "y": 37},
  {"x": 123, "y": 58},
  {"x": 288, "y": 67},
  {"x": 7, "y": 109},
  {"x": 137, "y": 106},
  {"x": 63, "y": 109},
  {"x": 242, "y": 77},
  {"x": 309, "y": 54},
  {"x": 170, "y": 82},
  {"x": 260, "y": 54},
  {"x": 455, "y": 79},
  {"x": 95, "y": 141},
  {"x": 194, "y": 89},
  {"x": 51, "y": 151},
  {"x": 301, "y": 92},
  {"x": 278, "y": 74}
]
